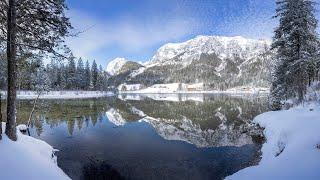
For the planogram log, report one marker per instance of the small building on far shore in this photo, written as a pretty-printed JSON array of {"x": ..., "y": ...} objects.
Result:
[
  {"x": 195, "y": 87},
  {"x": 130, "y": 87},
  {"x": 162, "y": 88}
]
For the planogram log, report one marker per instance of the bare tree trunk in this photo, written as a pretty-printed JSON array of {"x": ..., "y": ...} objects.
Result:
[
  {"x": 31, "y": 113},
  {"x": 33, "y": 109},
  {"x": 301, "y": 85},
  {"x": 12, "y": 71}
]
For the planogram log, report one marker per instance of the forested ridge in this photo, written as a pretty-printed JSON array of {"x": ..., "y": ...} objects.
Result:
[{"x": 72, "y": 74}]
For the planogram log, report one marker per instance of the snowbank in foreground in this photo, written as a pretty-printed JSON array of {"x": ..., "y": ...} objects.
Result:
[
  {"x": 291, "y": 149},
  {"x": 60, "y": 94},
  {"x": 28, "y": 158}
]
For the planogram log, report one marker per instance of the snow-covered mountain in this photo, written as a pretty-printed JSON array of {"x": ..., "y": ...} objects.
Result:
[
  {"x": 223, "y": 47},
  {"x": 115, "y": 66},
  {"x": 218, "y": 62}
]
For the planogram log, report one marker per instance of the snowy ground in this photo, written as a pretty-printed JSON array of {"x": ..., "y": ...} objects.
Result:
[
  {"x": 291, "y": 150},
  {"x": 28, "y": 158},
  {"x": 60, "y": 94}
]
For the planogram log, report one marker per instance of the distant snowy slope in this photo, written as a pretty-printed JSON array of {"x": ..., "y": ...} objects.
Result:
[{"x": 115, "y": 66}]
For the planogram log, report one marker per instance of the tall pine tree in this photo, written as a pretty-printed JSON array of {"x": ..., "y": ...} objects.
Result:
[
  {"x": 29, "y": 26},
  {"x": 101, "y": 79},
  {"x": 71, "y": 75},
  {"x": 94, "y": 73},
  {"x": 87, "y": 75},
  {"x": 296, "y": 43},
  {"x": 80, "y": 75}
]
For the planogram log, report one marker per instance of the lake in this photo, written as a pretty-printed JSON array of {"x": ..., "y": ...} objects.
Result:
[{"x": 195, "y": 136}]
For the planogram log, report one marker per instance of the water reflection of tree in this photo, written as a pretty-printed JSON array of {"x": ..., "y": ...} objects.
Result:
[
  {"x": 71, "y": 124},
  {"x": 74, "y": 113},
  {"x": 80, "y": 122},
  {"x": 38, "y": 125}
]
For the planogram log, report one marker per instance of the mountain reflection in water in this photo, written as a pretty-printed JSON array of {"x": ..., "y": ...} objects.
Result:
[{"x": 174, "y": 136}]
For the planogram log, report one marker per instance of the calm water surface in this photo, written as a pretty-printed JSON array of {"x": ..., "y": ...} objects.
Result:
[{"x": 150, "y": 136}]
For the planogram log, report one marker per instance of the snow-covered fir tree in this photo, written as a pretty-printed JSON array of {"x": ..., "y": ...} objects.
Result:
[
  {"x": 59, "y": 78},
  {"x": 26, "y": 27},
  {"x": 40, "y": 79},
  {"x": 80, "y": 75},
  {"x": 296, "y": 43},
  {"x": 53, "y": 69},
  {"x": 87, "y": 75},
  {"x": 102, "y": 79},
  {"x": 94, "y": 73},
  {"x": 71, "y": 75}
]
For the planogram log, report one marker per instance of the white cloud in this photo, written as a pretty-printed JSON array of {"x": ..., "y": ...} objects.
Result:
[{"x": 126, "y": 34}]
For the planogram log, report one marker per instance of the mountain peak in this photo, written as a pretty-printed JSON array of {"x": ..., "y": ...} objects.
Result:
[{"x": 115, "y": 65}]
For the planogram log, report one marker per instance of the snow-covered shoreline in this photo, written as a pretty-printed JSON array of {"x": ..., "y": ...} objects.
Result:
[
  {"x": 292, "y": 147},
  {"x": 60, "y": 94},
  {"x": 198, "y": 92},
  {"x": 181, "y": 88},
  {"x": 28, "y": 158}
]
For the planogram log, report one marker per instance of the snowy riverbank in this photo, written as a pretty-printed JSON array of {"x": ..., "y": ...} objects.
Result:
[
  {"x": 28, "y": 158},
  {"x": 59, "y": 94},
  {"x": 292, "y": 147}
]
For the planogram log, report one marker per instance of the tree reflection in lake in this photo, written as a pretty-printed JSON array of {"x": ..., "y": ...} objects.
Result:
[{"x": 150, "y": 136}]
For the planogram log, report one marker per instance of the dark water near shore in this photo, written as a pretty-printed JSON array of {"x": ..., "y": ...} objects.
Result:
[{"x": 149, "y": 137}]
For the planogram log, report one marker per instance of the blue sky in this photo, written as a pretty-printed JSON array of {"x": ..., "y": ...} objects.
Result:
[{"x": 135, "y": 29}]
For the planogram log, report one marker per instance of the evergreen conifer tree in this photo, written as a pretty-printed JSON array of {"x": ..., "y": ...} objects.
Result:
[
  {"x": 94, "y": 73},
  {"x": 80, "y": 75},
  {"x": 71, "y": 75},
  {"x": 87, "y": 75},
  {"x": 29, "y": 26},
  {"x": 296, "y": 43}
]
